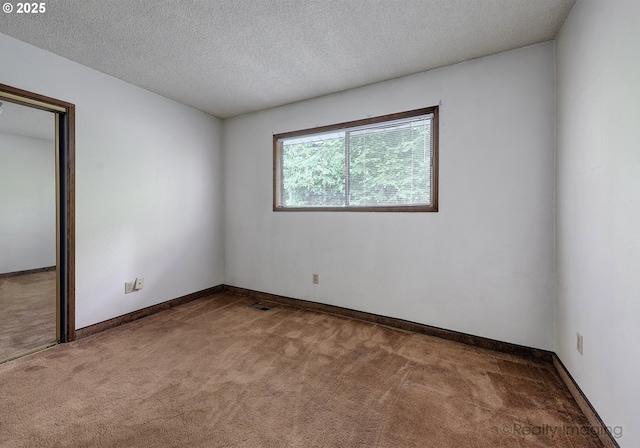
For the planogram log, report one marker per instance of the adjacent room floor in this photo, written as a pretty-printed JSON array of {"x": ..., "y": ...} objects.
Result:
[
  {"x": 214, "y": 372},
  {"x": 27, "y": 312}
]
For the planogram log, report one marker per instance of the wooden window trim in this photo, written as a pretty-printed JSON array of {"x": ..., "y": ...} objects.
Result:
[{"x": 277, "y": 164}]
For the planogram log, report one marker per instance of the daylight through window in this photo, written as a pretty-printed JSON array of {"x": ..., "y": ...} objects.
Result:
[{"x": 379, "y": 164}]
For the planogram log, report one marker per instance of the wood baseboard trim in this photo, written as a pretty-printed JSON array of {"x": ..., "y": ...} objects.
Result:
[
  {"x": 27, "y": 272},
  {"x": 144, "y": 312},
  {"x": 477, "y": 341},
  {"x": 596, "y": 423}
]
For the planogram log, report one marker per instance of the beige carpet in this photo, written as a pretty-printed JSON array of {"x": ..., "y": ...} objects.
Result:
[
  {"x": 27, "y": 312},
  {"x": 215, "y": 373}
]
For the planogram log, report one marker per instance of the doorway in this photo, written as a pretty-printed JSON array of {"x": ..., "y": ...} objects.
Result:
[{"x": 37, "y": 222}]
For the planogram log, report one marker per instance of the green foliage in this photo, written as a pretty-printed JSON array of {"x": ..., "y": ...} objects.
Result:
[
  {"x": 314, "y": 173},
  {"x": 387, "y": 166},
  {"x": 390, "y": 167}
]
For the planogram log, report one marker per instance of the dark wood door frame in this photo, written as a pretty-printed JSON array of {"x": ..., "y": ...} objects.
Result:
[{"x": 65, "y": 122}]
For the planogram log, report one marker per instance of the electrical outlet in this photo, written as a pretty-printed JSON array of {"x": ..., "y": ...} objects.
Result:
[
  {"x": 128, "y": 287},
  {"x": 139, "y": 283},
  {"x": 315, "y": 279},
  {"x": 579, "y": 343}
]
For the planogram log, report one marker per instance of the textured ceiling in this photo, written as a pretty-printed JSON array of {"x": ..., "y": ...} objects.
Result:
[
  {"x": 22, "y": 120},
  {"x": 229, "y": 57}
]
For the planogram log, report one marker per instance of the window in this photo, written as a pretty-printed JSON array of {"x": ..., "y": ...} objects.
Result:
[{"x": 387, "y": 163}]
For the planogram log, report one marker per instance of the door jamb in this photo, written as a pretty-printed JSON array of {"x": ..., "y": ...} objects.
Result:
[{"x": 65, "y": 198}]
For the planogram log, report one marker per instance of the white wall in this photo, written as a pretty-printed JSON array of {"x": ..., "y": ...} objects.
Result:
[
  {"x": 148, "y": 185},
  {"x": 27, "y": 203},
  {"x": 484, "y": 264},
  {"x": 598, "y": 207}
]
